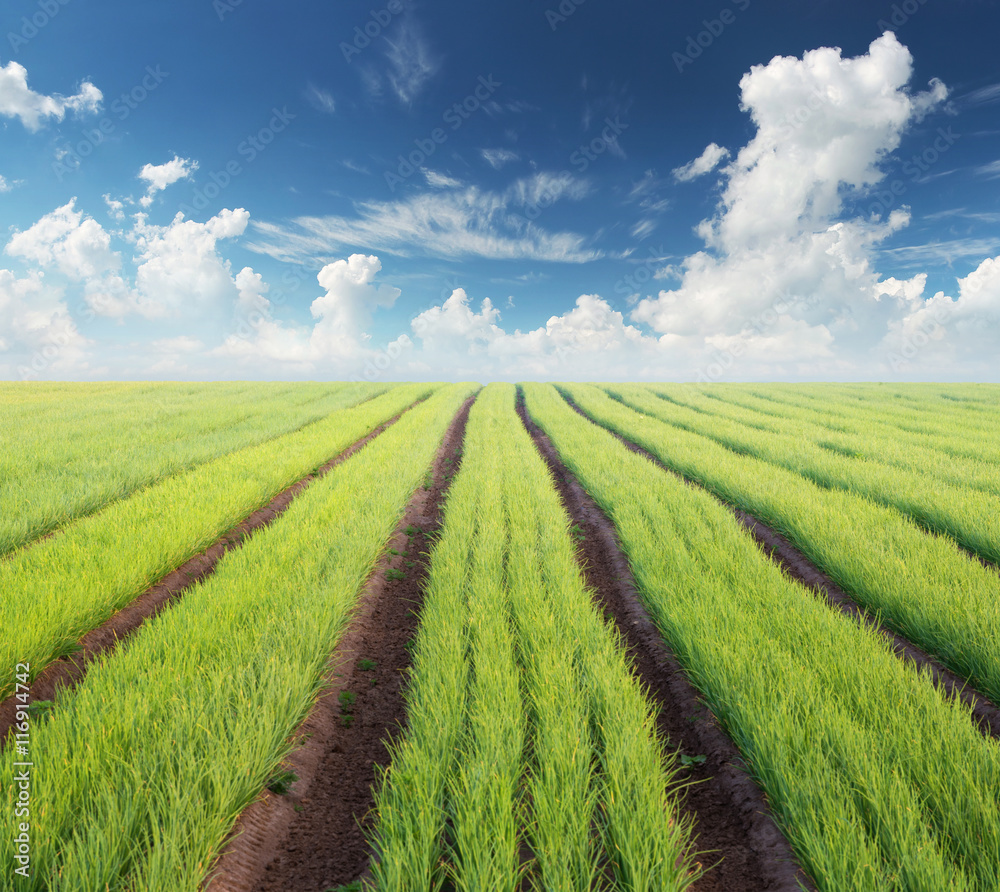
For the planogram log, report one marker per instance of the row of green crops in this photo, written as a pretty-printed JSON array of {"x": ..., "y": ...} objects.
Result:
[
  {"x": 141, "y": 770},
  {"x": 61, "y": 588},
  {"x": 939, "y": 424},
  {"x": 922, "y": 585},
  {"x": 525, "y": 725},
  {"x": 865, "y": 440},
  {"x": 879, "y": 781},
  {"x": 65, "y": 458},
  {"x": 967, "y": 515}
]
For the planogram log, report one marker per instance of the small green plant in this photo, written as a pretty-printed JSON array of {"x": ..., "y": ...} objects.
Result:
[
  {"x": 410, "y": 564},
  {"x": 688, "y": 761},
  {"x": 393, "y": 551},
  {"x": 576, "y": 531},
  {"x": 410, "y": 646},
  {"x": 366, "y": 665},
  {"x": 347, "y": 700},
  {"x": 40, "y": 707},
  {"x": 348, "y": 887},
  {"x": 281, "y": 781},
  {"x": 392, "y": 574},
  {"x": 411, "y": 530},
  {"x": 347, "y": 720}
]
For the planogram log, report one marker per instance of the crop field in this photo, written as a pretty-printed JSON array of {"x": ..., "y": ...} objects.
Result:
[{"x": 422, "y": 637}]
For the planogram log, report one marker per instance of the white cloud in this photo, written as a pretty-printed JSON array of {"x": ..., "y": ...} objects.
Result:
[
  {"x": 38, "y": 337},
  {"x": 321, "y": 100},
  {"x": 17, "y": 100},
  {"x": 439, "y": 180},
  {"x": 497, "y": 158},
  {"x": 590, "y": 341},
  {"x": 453, "y": 224},
  {"x": 991, "y": 170},
  {"x": 338, "y": 342},
  {"x": 181, "y": 273},
  {"x": 159, "y": 176},
  {"x": 79, "y": 247},
  {"x": 411, "y": 64},
  {"x": 706, "y": 162},
  {"x": 5, "y": 186},
  {"x": 116, "y": 208},
  {"x": 982, "y": 96},
  {"x": 786, "y": 278}
]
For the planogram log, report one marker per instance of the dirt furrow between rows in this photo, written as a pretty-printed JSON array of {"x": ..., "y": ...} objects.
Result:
[
  {"x": 313, "y": 837},
  {"x": 69, "y": 671},
  {"x": 985, "y": 714},
  {"x": 734, "y": 828}
]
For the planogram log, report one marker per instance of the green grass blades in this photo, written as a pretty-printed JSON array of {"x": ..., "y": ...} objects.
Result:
[
  {"x": 141, "y": 770},
  {"x": 77, "y": 579},
  {"x": 966, "y": 514},
  {"x": 66, "y": 451},
  {"x": 876, "y": 554},
  {"x": 879, "y": 781},
  {"x": 526, "y": 729}
]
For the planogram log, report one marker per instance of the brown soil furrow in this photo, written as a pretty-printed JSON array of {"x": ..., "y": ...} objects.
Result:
[
  {"x": 733, "y": 826},
  {"x": 67, "y": 672},
  {"x": 313, "y": 838},
  {"x": 985, "y": 714}
]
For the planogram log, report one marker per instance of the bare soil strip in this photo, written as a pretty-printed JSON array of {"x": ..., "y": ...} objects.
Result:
[
  {"x": 985, "y": 715},
  {"x": 69, "y": 671},
  {"x": 733, "y": 825},
  {"x": 313, "y": 837}
]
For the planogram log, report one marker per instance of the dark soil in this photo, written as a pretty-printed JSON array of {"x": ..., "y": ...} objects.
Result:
[
  {"x": 67, "y": 672},
  {"x": 795, "y": 564},
  {"x": 734, "y": 831},
  {"x": 313, "y": 838}
]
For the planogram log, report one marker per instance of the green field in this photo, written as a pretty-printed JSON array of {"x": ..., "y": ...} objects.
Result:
[{"x": 526, "y": 754}]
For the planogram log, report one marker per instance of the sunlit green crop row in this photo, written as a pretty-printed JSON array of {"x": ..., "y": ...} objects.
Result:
[
  {"x": 65, "y": 457},
  {"x": 968, "y": 515},
  {"x": 963, "y": 427},
  {"x": 860, "y": 439},
  {"x": 524, "y": 723},
  {"x": 922, "y": 585},
  {"x": 879, "y": 781},
  {"x": 54, "y": 592},
  {"x": 141, "y": 770}
]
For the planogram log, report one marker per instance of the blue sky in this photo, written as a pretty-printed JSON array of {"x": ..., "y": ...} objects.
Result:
[{"x": 733, "y": 190}]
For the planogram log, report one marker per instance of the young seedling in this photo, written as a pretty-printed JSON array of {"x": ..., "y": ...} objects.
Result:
[
  {"x": 366, "y": 665},
  {"x": 393, "y": 574},
  {"x": 347, "y": 700},
  {"x": 40, "y": 707},
  {"x": 576, "y": 531},
  {"x": 688, "y": 761},
  {"x": 281, "y": 782},
  {"x": 349, "y": 887}
]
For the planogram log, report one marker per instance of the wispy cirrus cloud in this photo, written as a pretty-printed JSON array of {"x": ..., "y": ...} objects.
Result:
[
  {"x": 459, "y": 223},
  {"x": 411, "y": 63},
  {"x": 991, "y": 170},
  {"x": 497, "y": 158},
  {"x": 320, "y": 99},
  {"x": 439, "y": 180}
]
